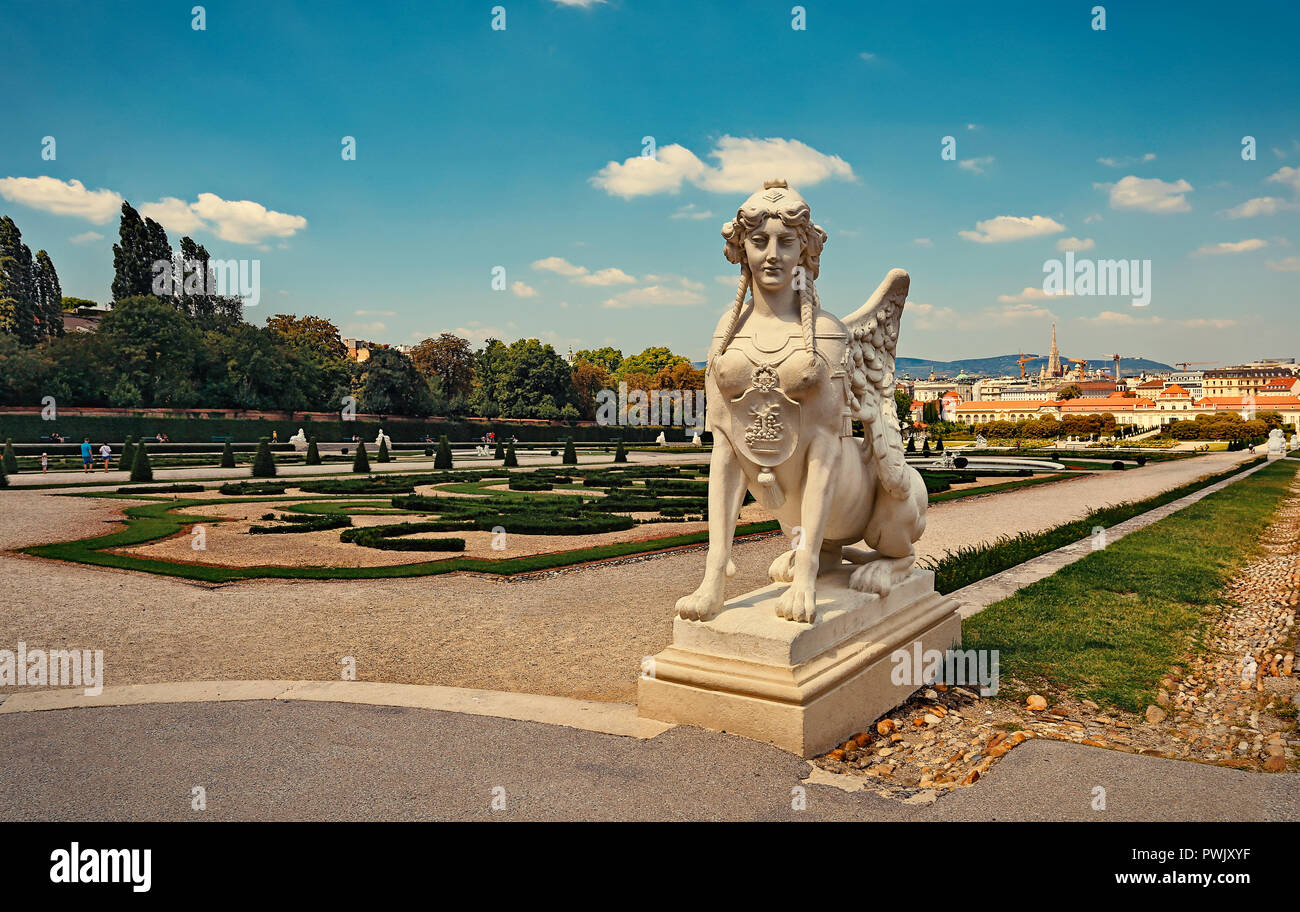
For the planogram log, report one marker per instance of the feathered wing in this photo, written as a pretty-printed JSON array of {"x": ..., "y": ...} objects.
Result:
[{"x": 873, "y": 342}]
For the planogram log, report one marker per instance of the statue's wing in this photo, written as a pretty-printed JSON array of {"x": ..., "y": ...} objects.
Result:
[{"x": 873, "y": 342}]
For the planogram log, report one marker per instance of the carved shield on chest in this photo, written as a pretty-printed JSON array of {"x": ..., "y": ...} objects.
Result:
[{"x": 765, "y": 425}]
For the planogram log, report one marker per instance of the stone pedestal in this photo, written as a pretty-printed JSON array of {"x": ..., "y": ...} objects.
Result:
[{"x": 801, "y": 687}]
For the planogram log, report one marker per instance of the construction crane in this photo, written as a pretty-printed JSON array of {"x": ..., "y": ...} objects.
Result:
[
  {"x": 1184, "y": 364},
  {"x": 1022, "y": 362},
  {"x": 1083, "y": 366},
  {"x": 1116, "y": 359}
]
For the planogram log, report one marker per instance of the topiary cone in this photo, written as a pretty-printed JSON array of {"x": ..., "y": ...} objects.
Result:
[
  {"x": 227, "y": 456},
  {"x": 10, "y": 458},
  {"x": 141, "y": 468},
  {"x": 382, "y": 455},
  {"x": 443, "y": 458},
  {"x": 512, "y": 461},
  {"x": 263, "y": 462},
  {"x": 620, "y": 454},
  {"x": 313, "y": 454},
  {"x": 361, "y": 463}
]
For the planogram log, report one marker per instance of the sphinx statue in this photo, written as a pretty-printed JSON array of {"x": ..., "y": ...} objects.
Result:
[{"x": 785, "y": 381}]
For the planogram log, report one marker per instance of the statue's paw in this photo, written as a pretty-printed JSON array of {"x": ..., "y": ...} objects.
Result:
[
  {"x": 881, "y": 576},
  {"x": 782, "y": 569},
  {"x": 798, "y": 603},
  {"x": 699, "y": 605}
]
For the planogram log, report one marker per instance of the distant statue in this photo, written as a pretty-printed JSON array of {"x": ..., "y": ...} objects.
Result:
[
  {"x": 981, "y": 440},
  {"x": 785, "y": 381},
  {"x": 1295, "y": 441},
  {"x": 383, "y": 438},
  {"x": 695, "y": 438},
  {"x": 662, "y": 439},
  {"x": 1276, "y": 443},
  {"x": 299, "y": 441}
]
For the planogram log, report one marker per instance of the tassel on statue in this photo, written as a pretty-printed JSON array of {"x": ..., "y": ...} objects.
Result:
[{"x": 769, "y": 492}]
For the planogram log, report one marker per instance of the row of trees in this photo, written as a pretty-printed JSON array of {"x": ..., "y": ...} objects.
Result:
[
  {"x": 31, "y": 302},
  {"x": 1225, "y": 426},
  {"x": 183, "y": 346}
]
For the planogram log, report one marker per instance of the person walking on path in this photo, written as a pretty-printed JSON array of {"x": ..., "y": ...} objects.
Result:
[
  {"x": 106, "y": 452},
  {"x": 45, "y": 463},
  {"x": 87, "y": 461}
]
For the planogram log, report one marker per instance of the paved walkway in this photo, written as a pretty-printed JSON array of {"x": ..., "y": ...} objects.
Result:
[{"x": 269, "y": 760}]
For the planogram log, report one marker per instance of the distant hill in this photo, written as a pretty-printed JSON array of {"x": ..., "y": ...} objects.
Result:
[{"x": 1005, "y": 365}]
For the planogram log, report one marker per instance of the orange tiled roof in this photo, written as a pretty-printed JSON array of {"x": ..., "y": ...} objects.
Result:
[{"x": 1175, "y": 390}]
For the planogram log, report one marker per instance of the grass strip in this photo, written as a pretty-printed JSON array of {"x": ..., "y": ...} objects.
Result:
[{"x": 1109, "y": 626}]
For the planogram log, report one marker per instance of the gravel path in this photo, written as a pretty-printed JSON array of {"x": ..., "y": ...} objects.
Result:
[{"x": 579, "y": 634}]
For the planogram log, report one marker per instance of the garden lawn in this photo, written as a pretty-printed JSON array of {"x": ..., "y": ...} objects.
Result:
[{"x": 1109, "y": 626}]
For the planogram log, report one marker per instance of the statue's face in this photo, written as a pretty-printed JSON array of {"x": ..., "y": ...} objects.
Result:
[{"x": 773, "y": 251}]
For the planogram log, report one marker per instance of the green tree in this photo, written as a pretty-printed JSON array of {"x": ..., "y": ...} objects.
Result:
[
  {"x": 651, "y": 361},
  {"x": 620, "y": 454},
  {"x": 382, "y": 455},
  {"x": 313, "y": 454},
  {"x": 361, "y": 463},
  {"x": 132, "y": 262},
  {"x": 500, "y": 451},
  {"x": 520, "y": 378},
  {"x": 49, "y": 296},
  {"x": 1069, "y": 392},
  {"x": 141, "y": 467},
  {"x": 443, "y": 458},
  {"x": 263, "y": 461},
  {"x": 607, "y": 358},
  {"x": 512, "y": 461},
  {"x": 227, "y": 456},
  {"x": 903, "y": 407},
  {"x": 930, "y": 412},
  {"x": 127, "y": 458},
  {"x": 18, "y": 302},
  {"x": 449, "y": 358},
  {"x": 570, "y": 453},
  {"x": 153, "y": 354},
  {"x": 389, "y": 384}
]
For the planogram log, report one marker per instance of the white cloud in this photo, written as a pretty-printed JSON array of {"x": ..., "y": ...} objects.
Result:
[
  {"x": 1011, "y": 228},
  {"x": 1287, "y": 177},
  {"x": 244, "y": 221},
  {"x": 86, "y": 237},
  {"x": 50, "y": 194},
  {"x": 1095, "y": 217},
  {"x": 1114, "y": 318},
  {"x": 1149, "y": 194},
  {"x": 674, "y": 279},
  {"x": 523, "y": 290},
  {"x": 1127, "y": 160},
  {"x": 729, "y": 280},
  {"x": 579, "y": 4},
  {"x": 867, "y": 56},
  {"x": 927, "y": 316},
  {"x": 374, "y": 313},
  {"x": 922, "y": 242},
  {"x": 742, "y": 166},
  {"x": 1200, "y": 323},
  {"x": 559, "y": 266},
  {"x": 1014, "y": 313},
  {"x": 610, "y": 276},
  {"x": 1286, "y": 264},
  {"x": 362, "y": 330},
  {"x": 1075, "y": 244},
  {"x": 1260, "y": 205},
  {"x": 976, "y": 165},
  {"x": 173, "y": 214},
  {"x": 655, "y": 296},
  {"x": 1030, "y": 293},
  {"x": 1231, "y": 247},
  {"x": 690, "y": 212}
]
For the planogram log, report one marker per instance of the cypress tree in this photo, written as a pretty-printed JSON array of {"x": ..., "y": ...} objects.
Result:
[
  {"x": 227, "y": 456},
  {"x": 925, "y": 447},
  {"x": 938, "y": 445},
  {"x": 49, "y": 296},
  {"x": 361, "y": 463},
  {"x": 10, "y": 458},
  {"x": 263, "y": 462},
  {"x": 141, "y": 468},
  {"x": 313, "y": 454},
  {"x": 501, "y": 451},
  {"x": 132, "y": 271},
  {"x": 128, "y": 454},
  {"x": 512, "y": 461},
  {"x": 4, "y": 476},
  {"x": 443, "y": 459},
  {"x": 18, "y": 303},
  {"x": 620, "y": 454},
  {"x": 570, "y": 453},
  {"x": 382, "y": 455}
]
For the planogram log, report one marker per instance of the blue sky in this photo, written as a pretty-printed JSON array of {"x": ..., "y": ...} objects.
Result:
[{"x": 522, "y": 148}]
